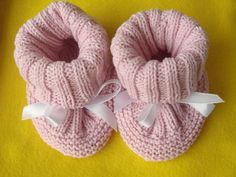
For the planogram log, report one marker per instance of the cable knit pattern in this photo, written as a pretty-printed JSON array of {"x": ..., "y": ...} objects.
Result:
[
  {"x": 63, "y": 56},
  {"x": 159, "y": 58}
]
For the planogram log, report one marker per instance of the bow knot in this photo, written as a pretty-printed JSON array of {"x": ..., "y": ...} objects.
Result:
[
  {"x": 55, "y": 115},
  {"x": 202, "y": 102}
]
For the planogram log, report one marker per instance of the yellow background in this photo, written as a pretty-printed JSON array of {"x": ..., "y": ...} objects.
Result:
[{"x": 23, "y": 153}]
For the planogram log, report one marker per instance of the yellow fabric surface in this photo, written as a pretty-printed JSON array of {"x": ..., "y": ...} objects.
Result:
[{"x": 23, "y": 153}]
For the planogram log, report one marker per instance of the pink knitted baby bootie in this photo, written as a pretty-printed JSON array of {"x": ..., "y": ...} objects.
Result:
[
  {"x": 63, "y": 56},
  {"x": 160, "y": 59}
]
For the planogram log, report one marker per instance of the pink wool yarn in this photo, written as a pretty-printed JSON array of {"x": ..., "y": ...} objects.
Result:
[
  {"x": 62, "y": 54},
  {"x": 160, "y": 58}
]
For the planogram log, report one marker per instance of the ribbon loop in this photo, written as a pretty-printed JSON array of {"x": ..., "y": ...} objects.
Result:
[
  {"x": 104, "y": 98},
  {"x": 97, "y": 106},
  {"x": 202, "y": 102},
  {"x": 202, "y": 98},
  {"x": 204, "y": 109},
  {"x": 55, "y": 115}
]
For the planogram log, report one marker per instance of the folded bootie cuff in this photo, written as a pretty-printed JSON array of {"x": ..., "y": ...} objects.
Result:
[
  {"x": 62, "y": 54},
  {"x": 140, "y": 45}
]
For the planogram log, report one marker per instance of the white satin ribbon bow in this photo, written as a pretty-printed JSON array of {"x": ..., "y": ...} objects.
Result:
[
  {"x": 56, "y": 115},
  {"x": 202, "y": 102}
]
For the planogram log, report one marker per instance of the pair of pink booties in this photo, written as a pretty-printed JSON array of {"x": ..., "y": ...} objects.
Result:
[{"x": 159, "y": 57}]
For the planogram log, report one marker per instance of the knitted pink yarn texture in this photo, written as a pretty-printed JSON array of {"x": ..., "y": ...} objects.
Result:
[
  {"x": 62, "y": 54},
  {"x": 160, "y": 58}
]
